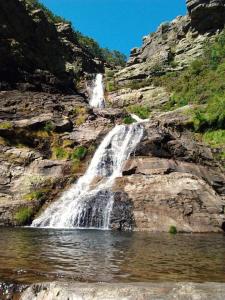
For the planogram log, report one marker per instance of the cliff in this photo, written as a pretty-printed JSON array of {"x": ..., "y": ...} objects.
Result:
[
  {"x": 37, "y": 54},
  {"x": 175, "y": 44}
]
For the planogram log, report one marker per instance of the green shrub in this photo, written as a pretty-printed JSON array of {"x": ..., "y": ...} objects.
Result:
[
  {"x": 36, "y": 195},
  {"x": 214, "y": 138},
  {"x": 128, "y": 120},
  {"x": 202, "y": 83},
  {"x": 49, "y": 126},
  {"x": 24, "y": 215},
  {"x": 60, "y": 153},
  {"x": 141, "y": 111},
  {"x": 35, "y": 4},
  {"x": 79, "y": 153},
  {"x": 6, "y": 125},
  {"x": 173, "y": 230}
]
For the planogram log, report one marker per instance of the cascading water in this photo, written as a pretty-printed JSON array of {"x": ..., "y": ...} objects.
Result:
[
  {"x": 97, "y": 98},
  {"x": 89, "y": 203}
]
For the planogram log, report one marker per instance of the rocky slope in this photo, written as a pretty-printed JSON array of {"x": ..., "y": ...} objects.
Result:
[
  {"x": 45, "y": 141},
  {"x": 174, "y": 45},
  {"x": 171, "y": 48},
  {"x": 37, "y": 54}
]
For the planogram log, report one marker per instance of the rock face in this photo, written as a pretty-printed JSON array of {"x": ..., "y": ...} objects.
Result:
[
  {"x": 174, "y": 45},
  {"x": 39, "y": 133},
  {"x": 37, "y": 54},
  {"x": 139, "y": 291},
  {"x": 206, "y": 14},
  {"x": 173, "y": 180}
]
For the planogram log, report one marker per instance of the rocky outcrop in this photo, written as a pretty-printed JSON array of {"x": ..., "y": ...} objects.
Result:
[
  {"x": 175, "y": 44},
  {"x": 138, "y": 291},
  {"x": 173, "y": 180},
  {"x": 207, "y": 14},
  {"x": 181, "y": 200},
  {"x": 36, "y": 54}
]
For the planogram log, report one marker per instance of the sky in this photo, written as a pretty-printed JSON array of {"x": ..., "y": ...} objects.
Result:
[{"x": 117, "y": 24}]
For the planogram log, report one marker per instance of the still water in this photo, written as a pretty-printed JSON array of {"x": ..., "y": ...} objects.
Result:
[{"x": 32, "y": 255}]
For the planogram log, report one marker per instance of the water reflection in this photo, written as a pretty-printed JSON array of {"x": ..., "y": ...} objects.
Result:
[{"x": 31, "y": 255}]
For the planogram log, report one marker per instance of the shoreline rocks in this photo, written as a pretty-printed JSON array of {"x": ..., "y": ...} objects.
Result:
[{"x": 115, "y": 291}]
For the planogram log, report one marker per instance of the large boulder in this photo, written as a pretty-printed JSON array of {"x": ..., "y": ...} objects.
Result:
[
  {"x": 207, "y": 14},
  {"x": 178, "y": 199}
]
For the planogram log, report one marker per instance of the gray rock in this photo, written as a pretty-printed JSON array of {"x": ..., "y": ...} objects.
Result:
[
  {"x": 137, "y": 291},
  {"x": 178, "y": 199}
]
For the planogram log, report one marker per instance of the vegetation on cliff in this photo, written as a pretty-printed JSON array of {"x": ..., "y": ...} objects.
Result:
[
  {"x": 202, "y": 85},
  {"x": 114, "y": 58}
]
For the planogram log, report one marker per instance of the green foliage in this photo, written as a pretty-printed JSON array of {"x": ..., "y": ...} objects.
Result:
[
  {"x": 36, "y": 195},
  {"x": 128, "y": 120},
  {"x": 60, "y": 153},
  {"x": 112, "y": 57},
  {"x": 79, "y": 153},
  {"x": 115, "y": 58},
  {"x": 49, "y": 126},
  {"x": 203, "y": 85},
  {"x": 35, "y": 4},
  {"x": 141, "y": 111},
  {"x": 24, "y": 215},
  {"x": 111, "y": 86},
  {"x": 173, "y": 230},
  {"x": 215, "y": 138},
  {"x": 6, "y": 125}
]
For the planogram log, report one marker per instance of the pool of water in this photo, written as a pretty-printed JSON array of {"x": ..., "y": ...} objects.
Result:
[{"x": 33, "y": 255}]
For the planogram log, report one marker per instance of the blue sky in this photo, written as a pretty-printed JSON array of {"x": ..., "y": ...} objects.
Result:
[{"x": 117, "y": 24}]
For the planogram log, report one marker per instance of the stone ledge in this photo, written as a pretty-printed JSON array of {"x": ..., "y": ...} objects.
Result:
[{"x": 137, "y": 291}]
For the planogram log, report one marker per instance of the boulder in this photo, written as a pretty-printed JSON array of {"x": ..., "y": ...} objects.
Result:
[
  {"x": 177, "y": 199},
  {"x": 131, "y": 291},
  {"x": 207, "y": 14}
]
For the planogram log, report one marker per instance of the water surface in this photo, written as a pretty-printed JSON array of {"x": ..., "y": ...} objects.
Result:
[{"x": 33, "y": 255}]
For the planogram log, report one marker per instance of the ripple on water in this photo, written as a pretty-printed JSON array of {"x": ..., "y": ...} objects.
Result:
[{"x": 33, "y": 255}]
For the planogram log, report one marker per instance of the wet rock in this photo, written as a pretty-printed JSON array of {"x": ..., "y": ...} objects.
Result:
[{"x": 136, "y": 291}]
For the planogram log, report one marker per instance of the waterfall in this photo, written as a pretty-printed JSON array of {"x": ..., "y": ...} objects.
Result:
[
  {"x": 89, "y": 203},
  {"x": 97, "y": 99}
]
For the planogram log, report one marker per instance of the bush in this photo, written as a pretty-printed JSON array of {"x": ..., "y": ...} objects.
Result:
[
  {"x": 173, "y": 230},
  {"x": 49, "y": 126},
  {"x": 202, "y": 83},
  {"x": 35, "y": 4},
  {"x": 60, "y": 153},
  {"x": 79, "y": 153},
  {"x": 24, "y": 215},
  {"x": 128, "y": 120},
  {"x": 6, "y": 125},
  {"x": 36, "y": 195},
  {"x": 214, "y": 138},
  {"x": 141, "y": 111}
]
